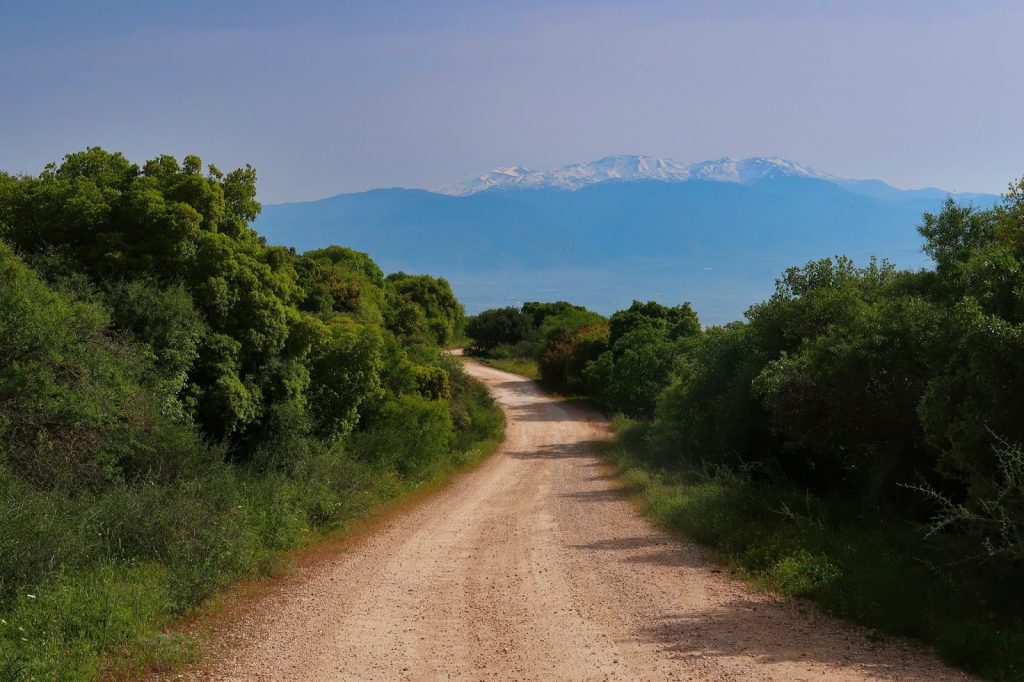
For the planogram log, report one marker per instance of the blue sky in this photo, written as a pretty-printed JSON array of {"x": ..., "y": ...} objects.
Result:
[{"x": 330, "y": 97}]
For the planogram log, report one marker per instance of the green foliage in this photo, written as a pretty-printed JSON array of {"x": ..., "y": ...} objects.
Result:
[
  {"x": 676, "y": 322},
  {"x": 433, "y": 383},
  {"x": 708, "y": 413},
  {"x": 524, "y": 349},
  {"x": 887, "y": 402},
  {"x": 168, "y": 327},
  {"x": 553, "y": 342},
  {"x": 845, "y": 402},
  {"x": 538, "y": 312},
  {"x": 136, "y": 231},
  {"x": 73, "y": 412},
  {"x": 629, "y": 378},
  {"x": 345, "y": 368},
  {"x": 493, "y": 328},
  {"x": 996, "y": 519},
  {"x": 570, "y": 339},
  {"x": 433, "y": 298},
  {"x": 524, "y": 366},
  {"x": 340, "y": 280},
  {"x": 180, "y": 401},
  {"x": 407, "y": 435}
]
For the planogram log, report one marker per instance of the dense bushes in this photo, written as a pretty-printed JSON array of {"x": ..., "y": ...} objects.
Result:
[
  {"x": 73, "y": 411},
  {"x": 179, "y": 401},
  {"x": 862, "y": 382},
  {"x": 500, "y": 326},
  {"x": 622, "y": 362},
  {"x": 793, "y": 543},
  {"x": 424, "y": 305}
]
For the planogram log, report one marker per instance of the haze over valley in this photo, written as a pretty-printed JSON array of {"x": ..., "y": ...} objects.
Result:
[{"x": 602, "y": 233}]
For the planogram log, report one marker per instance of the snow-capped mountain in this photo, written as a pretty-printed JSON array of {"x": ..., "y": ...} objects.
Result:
[
  {"x": 749, "y": 170},
  {"x": 587, "y": 234},
  {"x": 632, "y": 168}
]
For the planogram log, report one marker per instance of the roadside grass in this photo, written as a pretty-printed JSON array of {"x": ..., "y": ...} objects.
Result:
[
  {"x": 526, "y": 367},
  {"x": 883, "y": 576},
  {"x": 101, "y": 614}
]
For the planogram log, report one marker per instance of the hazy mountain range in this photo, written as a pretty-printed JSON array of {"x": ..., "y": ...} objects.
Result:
[{"x": 716, "y": 233}]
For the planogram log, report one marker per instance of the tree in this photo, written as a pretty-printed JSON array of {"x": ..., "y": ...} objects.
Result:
[
  {"x": 677, "y": 321},
  {"x": 498, "y": 326},
  {"x": 442, "y": 312}
]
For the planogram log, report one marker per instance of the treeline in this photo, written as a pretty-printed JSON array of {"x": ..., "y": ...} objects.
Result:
[
  {"x": 879, "y": 412},
  {"x": 179, "y": 401}
]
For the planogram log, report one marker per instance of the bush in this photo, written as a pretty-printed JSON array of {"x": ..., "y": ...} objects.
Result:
[
  {"x": 408, "y": 436},
  {"x": 179, "y": 402},
  {"x": 521, "y": 350},
  {"x": 570, "y": 341},
  {"x": 499, "y": 327}
]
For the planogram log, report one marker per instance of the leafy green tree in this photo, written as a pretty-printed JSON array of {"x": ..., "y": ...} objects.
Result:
[
  {"x": 345, "y": 369},
  {"x": 442, "y": 312},
  {"x": 75, "y": 412},
  {"x": 629, "y": 378},
  {"x": 645, "y": 342},
  {"x": 169, "y": 327},
  {"x": 676, "y": 321},
  {"x": 177, "y": 229},
  {"x": 707, "y": 413},
  {"x": 498, "y": 326},
  {"x": 538, "y": 312},
  {"x": 339, "y": 280},
  {"x": 977, "y": 391},
  {"x": 845, "y": 401},
  {"x": 571, "y": 340}
]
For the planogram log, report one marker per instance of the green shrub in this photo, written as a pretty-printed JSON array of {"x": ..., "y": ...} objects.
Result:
[
  {"x": 499, "y": 327},
  {"x": 179, "y": 402},
  {"x": 408, "y": 436}
]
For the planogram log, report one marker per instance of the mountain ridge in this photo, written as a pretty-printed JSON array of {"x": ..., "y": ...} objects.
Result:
[
  {"x": 631, "y": 168},
  {"x": 717, "y": 243},
  {"x": 625, "y": 168}
]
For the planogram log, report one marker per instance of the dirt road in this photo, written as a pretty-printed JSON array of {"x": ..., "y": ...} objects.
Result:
[{"x": 534, "y": 567}]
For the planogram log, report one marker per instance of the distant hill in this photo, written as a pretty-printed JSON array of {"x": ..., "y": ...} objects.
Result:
[{"x": 716, "y": 233}]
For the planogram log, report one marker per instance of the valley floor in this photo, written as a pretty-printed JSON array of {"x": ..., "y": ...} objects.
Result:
[{"x": 535, "y": 566}]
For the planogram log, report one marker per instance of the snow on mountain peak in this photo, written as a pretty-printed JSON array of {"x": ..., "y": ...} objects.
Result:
[
  {"x": 752, "y": 169},
  {"x": 626, "y": 168}
]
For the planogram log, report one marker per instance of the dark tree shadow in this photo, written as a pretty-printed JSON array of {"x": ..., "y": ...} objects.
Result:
[
  {"x": 773, "y": 632},
  {"x": 522, "y": 387},
  {"x": 583, "y": 449},
  {"x": 546, "y": 412},
  {"x": 766, "y": 630},
  {"x": 602, "y": 495}
]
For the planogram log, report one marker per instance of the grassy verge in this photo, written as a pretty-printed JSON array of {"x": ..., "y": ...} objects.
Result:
[
  {"x": 97, "y": 614},
  {"x": 882, "y": 576},
  {"x": 526, "y": 367}
]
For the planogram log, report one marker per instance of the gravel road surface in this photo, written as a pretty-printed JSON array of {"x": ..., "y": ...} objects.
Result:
[{"x": 535, "y": 567}]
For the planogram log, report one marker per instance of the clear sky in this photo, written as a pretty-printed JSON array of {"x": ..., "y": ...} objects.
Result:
[{"x": 330, "y": 97}]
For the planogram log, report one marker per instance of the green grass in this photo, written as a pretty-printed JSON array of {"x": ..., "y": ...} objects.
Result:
[
  {"x": 135, "y": 558},
  {"x": 526, "y": 367},
  {"x": 887, "y": 577}
]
